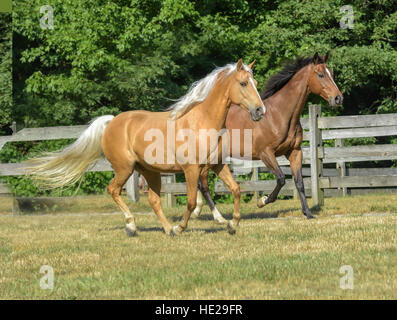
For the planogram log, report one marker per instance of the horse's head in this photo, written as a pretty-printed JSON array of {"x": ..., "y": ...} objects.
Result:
[
  {"x": 321, "y": 81},
  {"x": 243, "y": 91}
]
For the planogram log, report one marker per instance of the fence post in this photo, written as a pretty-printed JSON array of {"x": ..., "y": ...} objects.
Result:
[
  {"x": 316, "y": 164},
  {"x": 255, "y": 177},
  {"x": 15, "y": 205},
  {"x": 133, "y": 187},
  {"x": 341, "y": 166},
  {"x": 170, "y": 199},
  {"x": 14, "y": 127}
]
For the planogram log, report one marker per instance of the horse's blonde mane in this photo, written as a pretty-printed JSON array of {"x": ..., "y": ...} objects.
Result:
[{"x": 199, "y": 90}]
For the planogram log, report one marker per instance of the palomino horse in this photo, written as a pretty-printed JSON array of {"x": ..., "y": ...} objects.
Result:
[
  {"x": 125, "y": 140},
  {"x": 280, "y": 132}
]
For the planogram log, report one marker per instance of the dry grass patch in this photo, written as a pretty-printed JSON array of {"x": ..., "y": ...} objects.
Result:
[{"x": 290, "y": 258}]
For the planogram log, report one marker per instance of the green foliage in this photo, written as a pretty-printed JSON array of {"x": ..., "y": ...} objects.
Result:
[
  {"x": 92, "y": 182},
  {"x": 359, "y": 141},
  {"x": 5, "y": 72},
  {"x": 266, "y": 176},
  {"x": 106, "y": 57},
  {"x": 363, "y": 58}
]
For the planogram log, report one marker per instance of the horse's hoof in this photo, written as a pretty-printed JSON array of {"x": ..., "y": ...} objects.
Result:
[
  {"x": 308, "y": 215},
  {"x": 262, "y": 202},
  {"x": 130, "y": 232},
  {"x": 176, "y": 230},
  {"x": 195, "y": 214},
  {"x": 230, "y": 228},
  {"x": 171, "y": 233}
]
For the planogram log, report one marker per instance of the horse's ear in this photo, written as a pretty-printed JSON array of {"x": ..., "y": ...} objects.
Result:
[
  {"x": 316, "y": 58},
  {"x": 251, "y": 65},
  {"x": 239, "y": 64},
  {"x": 326, "y": 57}
]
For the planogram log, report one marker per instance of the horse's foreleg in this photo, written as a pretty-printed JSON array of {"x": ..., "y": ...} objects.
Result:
[
  {"x": 295, "y": 160},
  {"x": 225, "y": 175},
  {"x": 270, "y": 161},
  {"x": 192, "y": 178}
]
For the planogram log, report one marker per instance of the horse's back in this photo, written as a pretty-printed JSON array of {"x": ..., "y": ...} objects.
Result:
[{"x": 128, "y": 129}]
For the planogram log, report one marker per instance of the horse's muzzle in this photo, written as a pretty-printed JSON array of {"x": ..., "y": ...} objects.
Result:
[
  {"x": 336, "y": 101},
  {"x": 257, "y": 113}
]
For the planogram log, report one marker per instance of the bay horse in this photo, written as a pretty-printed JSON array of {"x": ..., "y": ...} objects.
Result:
[
  {"x": 125, "y": 140},
  {"x": 279, "y": 132}
]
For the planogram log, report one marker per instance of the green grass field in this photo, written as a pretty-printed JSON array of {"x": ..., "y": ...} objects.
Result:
[{"x": 285, "y": 258}]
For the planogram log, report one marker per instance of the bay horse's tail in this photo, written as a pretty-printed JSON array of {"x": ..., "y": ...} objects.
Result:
[{"x": 65, "y": 167}]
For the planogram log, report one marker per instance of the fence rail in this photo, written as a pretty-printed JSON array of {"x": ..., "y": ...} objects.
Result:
[
  {"x": 330, "y": 182},
  {"x": 318, "y": 181}
]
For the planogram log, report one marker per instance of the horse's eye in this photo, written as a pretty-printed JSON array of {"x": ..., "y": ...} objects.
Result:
[
  {"x": 321, "y": 75},
  {"x": 244, "y": 84}
]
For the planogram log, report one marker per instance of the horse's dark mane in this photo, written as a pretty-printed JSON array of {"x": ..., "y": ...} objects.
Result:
[{"x": 277, "y": 81}]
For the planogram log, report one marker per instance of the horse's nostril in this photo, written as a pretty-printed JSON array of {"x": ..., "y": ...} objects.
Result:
[
  {"x": 259, "y": 112},
  {"x": 338, "y": 99},
  {"x": 256, "y": 113}
]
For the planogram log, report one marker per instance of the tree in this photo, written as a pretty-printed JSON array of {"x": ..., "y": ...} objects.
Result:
[
  {"x": 106, "y": 57},
  {"x": 5, "y": 72}
]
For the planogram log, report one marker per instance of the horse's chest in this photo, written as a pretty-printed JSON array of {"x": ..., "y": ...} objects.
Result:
[
  {"x": 289, "y": 142},
  {"x": 286, "y": 146}
]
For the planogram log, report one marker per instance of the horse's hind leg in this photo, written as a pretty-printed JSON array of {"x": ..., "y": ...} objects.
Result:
[
  {"x": 202, "y": 192},
  {"x": 295, "y": 160},
  {"x": 199, "y": 206},
  {"x": 153, "y": 180},
  {"x": 205, "y": 191},
  {"x": 120, "y": 178}
]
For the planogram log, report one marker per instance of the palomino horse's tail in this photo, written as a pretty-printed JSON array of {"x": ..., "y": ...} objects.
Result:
[{"x": 65, "y": 167}]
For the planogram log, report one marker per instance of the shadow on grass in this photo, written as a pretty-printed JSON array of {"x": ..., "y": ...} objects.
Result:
[
  {"x": 250, "y": 216},
  {"x": 111, "y": 229},
  {"x": 159, "y": 229},
  {"x": 205, "y": 230},
  {"x": 315, "y": 209},
  {"x": 228, "y": 216}
]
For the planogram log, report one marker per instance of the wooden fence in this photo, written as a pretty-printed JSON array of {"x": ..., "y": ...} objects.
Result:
[{"x": 318, "y": 181}]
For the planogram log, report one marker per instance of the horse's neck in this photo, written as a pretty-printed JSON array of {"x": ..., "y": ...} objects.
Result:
[
  {"x": 215, "y": 107},
  {"x": 290, "y": 100}
]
